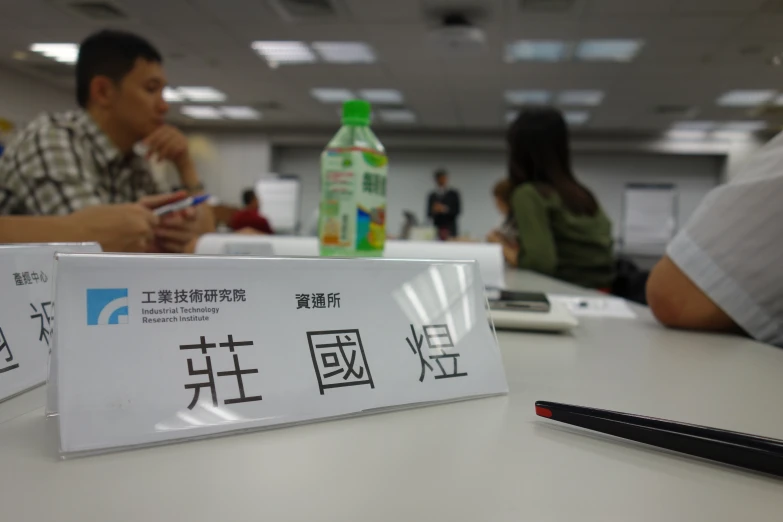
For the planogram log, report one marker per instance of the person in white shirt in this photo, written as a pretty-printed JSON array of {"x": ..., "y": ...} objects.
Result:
[{"x": 722, "y": 272}]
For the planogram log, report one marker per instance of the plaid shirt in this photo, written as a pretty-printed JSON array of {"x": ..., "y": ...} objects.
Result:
[{"x": 63, "y": 162}]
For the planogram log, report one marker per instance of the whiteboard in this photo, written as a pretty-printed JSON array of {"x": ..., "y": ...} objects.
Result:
[
  {"x": 280, "y": 198},
  {"x": 649, "y": 218}
]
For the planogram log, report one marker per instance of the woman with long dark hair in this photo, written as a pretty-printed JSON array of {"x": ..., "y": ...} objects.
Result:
[{"x": 563, "y": 232}]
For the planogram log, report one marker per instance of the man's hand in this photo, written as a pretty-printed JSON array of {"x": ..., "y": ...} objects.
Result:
[
  {"x": 176, "y": 230},
  {"x": 168, "y": 143},
  {"x": 118, "y": 228},
  {"x": 439, "y": 208},
  {"x": 495, "y": 237}
]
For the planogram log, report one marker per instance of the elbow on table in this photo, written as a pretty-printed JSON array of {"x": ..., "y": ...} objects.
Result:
[{"x": 664, "y": 301}]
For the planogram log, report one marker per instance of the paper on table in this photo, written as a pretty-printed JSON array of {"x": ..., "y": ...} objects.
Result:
[{"x": 595, "y": 306}]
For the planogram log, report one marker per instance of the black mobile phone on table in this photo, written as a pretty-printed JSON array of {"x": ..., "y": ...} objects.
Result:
[{"x": 520, "y": 301}]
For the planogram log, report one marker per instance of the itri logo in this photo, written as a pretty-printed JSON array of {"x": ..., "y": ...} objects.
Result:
[{"x": 107, "y": 306}]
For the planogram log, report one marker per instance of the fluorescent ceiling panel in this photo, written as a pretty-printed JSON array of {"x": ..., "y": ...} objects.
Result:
[
  {"x": 330, "y": 95},
  {"x": 684, "y": 134},
  {"x": 694, "y": 125},
  {"x": 397, "y": 115},
  {"x": 575, "y": 118},
  {"x": 527, "y": 97},
  {"x": 284, "y": 53},
  {"x": 345, "y": 52},
  {"x": 536, "y": 51},
  {"x": 240, "y": 113},
  {"x": 746, "y": 98},
  {"x": 61, "y": 52},
  {"x": 743, "y": 126},
  {"x": 201, "y": 112},
  {"x": 382, "y": 96},
  {"x": 608, "y": 50},
  {"x": 201, "y": 94},
  {"x": 581, "y": 98},
  {"x": 172, "y": 95}
]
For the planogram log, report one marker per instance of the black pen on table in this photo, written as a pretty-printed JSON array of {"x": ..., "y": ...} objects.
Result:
[{"x": 727, "y": 447}]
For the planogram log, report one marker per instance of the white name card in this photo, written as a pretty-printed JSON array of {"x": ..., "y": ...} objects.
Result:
[
  {"x": 153, "y": 349},
  {"x": 27, "y": 312}
]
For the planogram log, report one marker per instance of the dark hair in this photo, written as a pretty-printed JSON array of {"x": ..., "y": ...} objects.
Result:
[
  {"x": 248, "y": 196},
  {"x": 112, "y": 54},
  {"x": 539, "y": 153},
  {"x": 440, "y": 173}
]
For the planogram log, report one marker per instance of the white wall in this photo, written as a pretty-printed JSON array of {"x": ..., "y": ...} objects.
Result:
[
  {"x": 230, "y": 163},
  {"x": 474, "y": 174},
  {"x": 23, "y": 98}
]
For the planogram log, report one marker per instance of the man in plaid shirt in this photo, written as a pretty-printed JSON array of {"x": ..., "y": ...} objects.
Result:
[{"x": 64, "y": 163}]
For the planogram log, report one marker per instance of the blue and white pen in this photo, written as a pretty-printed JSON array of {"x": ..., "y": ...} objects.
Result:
[{"x": 182, "y": 204}]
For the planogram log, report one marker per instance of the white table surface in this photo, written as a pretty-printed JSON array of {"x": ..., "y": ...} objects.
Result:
[{"x": 480, "y": 460}]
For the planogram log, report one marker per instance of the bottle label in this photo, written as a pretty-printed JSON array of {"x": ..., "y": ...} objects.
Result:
[{"x": 353, "y": 202}]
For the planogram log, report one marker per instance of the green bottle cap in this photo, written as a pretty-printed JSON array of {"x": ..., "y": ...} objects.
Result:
[{"x": 356, "y": 112}]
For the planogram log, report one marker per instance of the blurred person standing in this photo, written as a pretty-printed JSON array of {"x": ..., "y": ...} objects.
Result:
[
  {"x": 444, "y": 206},
  {"x": 250, "y": 217},
  {"x": 562, "y": 230},
  {"x": 65, "y": 162}
]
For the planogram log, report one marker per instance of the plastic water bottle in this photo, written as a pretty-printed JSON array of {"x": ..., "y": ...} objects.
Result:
[{"x": 352, "y": 220}]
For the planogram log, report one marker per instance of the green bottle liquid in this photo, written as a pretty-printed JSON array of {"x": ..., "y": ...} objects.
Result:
[{"x": 352, "y": 219}]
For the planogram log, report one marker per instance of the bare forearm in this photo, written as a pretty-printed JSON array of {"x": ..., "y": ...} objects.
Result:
[
  {"x": 39, "y": 229},
  {"x": 188, "y": 176}
]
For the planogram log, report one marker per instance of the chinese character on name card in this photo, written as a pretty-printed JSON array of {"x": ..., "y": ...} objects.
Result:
[
  {"x": 319, "y": 301},
  {"x": 180, "y": 296},
  {"x": 18, "y": 279},
  {"x": 196, "y": 296},
  {"x": 237, "y": 371},
  {"x": 27, "y": 279},
  {"x": 44, "y": 277},
  {"x": 339, "y": 359},
  {"x": 438, "y": 340},
  {"x": 7, "y": 357},
  {"x": 302, "y": 301},
  {"x": 225, "y": 295},
  {"x": 333, "y": 300},
  {"x": 210, "y": 296},
  {"x": 164, "y": 296},
  {"x": 148, "y": 297},
  {"x": 43, "y": 315}
]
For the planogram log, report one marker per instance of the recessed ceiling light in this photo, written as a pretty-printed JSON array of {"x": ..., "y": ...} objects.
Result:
[
  {"x": 694, "y": 125},
  {"x": 201, "y": 112},
  {"x": 382, "y": 96},
  {"x": 575, "y": 118},
  {"x": 743, "y": 126},
  {"x": 345, "y": 52},
  {"x": 397, "y": 115},
  {"x": 330, "y": 95},
  {"x": 749, "y": 98},
  {"x": 201, "y": 94},
  {"x": 584, "y": 98},
  {"x": 284, "y": 53},
  {"x": 61, "y": 52},
  {"x": 528, "y": 97},
  {"x": 240, "y": 113},
  {"x": 687, "y": 134},
  {"x": 608, "y": 50},
  {"x": 172, "y": 95},
  {"x": 536, "y": 51}
]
